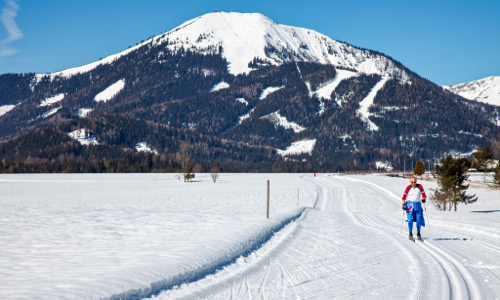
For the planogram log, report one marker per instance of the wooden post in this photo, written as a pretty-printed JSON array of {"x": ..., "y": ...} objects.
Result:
[{"x": 268, "y": 190}]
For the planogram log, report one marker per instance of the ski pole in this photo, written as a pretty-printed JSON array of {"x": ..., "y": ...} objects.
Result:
[
  {"x": 428, "y": 221},
  {"x": 402, "y": 218}
]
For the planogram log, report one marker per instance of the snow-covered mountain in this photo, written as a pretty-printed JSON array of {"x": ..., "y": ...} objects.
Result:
[
  {"x": 485, "y": 90},
  {"x": 253, "y": 87},
  {"x": 244, "y": 37}
]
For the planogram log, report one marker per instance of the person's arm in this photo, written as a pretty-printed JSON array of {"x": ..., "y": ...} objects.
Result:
[
  {"x": 424, "y": 196},
  {"x": 404, "y": 197}
]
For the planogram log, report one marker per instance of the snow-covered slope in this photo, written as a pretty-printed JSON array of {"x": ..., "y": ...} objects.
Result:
[
  {"x": 486, "y": 90},
  {"x": 244, "y": 37},
  {"x": 110, "y": 91},
  {"x": 5, "y": 109}
]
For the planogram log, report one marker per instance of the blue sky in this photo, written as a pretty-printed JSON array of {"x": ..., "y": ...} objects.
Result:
[{"x": 447, "y": 42}]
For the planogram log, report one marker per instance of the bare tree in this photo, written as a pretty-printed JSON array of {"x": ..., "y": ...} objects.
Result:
[
  {"x": 183, "y": 157},
  {"x": 197, "y": 168},
  {"x": 214, "y": 173}
]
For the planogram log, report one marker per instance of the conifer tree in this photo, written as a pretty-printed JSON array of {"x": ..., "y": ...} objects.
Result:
[
  {"x": 419, "y": 168},
  {"x": 482, "y": 157},
  {"x": 451, "y": 174},
  {"x": 496, "y": 174}
]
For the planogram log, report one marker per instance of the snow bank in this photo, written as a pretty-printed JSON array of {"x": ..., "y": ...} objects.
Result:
[{"x": 110, "y": 91}]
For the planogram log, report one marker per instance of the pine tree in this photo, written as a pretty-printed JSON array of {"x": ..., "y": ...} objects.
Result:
[
  {"x": 419, "y": 168},
  {"x": 451, "y": 174},
  {"x": 496, "y": 174},
  {"x": 482, "y": 157}
]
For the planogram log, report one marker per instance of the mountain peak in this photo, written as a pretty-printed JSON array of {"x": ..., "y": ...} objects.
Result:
[
  {"x": 243, "y": 38},
  {"x": 486, "y": 90}
]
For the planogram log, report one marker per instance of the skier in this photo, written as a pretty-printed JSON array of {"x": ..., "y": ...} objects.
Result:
[{"x": 413, "y": 198}]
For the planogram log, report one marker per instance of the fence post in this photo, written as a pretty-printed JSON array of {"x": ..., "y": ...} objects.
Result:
[{"x": 268, "y": 189}]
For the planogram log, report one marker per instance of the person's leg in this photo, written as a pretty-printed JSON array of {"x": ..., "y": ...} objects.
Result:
[
  {"x": 418, "y": 217},
  {"x": 409, "y": 219}
]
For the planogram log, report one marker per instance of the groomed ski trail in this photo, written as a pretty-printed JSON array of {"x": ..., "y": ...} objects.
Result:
[{"x": 351, "y": 246}]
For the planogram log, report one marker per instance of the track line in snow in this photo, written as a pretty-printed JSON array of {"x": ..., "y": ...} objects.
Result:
[
  {"x": 417, "y": 291},
  {"x": 461, "y": 282},
  {"x": 465, "y": 286},
  {"x": 323, "y": 255},
  {"x": 212, "y": 267}
]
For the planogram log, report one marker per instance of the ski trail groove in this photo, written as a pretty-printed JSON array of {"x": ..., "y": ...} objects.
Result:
[
  {"x": 211, "y": 268},
  {"x": 322, "y": 255}
]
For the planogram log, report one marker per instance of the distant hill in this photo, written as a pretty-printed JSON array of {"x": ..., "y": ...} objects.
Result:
[{"x": 486, "y": 90}]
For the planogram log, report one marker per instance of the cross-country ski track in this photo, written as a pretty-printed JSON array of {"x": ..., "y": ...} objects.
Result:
[{"x": 353, "y": 245}]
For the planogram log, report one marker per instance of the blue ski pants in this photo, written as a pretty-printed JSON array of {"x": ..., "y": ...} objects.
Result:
[{"x": 414, "y": 213}]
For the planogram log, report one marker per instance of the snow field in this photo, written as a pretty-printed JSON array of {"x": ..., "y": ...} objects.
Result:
[
  {"x": 354, "y": 246},
  {"x": 131, "y": 235},
  {"x": 5, "y": 109},
  {"x": 128, "y": 236}
]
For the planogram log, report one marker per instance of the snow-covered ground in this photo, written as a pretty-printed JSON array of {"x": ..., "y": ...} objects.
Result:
[
  {"x": 299, "y": 147},
  {"x": 279, "y": 120},
  {"x": 94, "y": 236},
  {"x": 52, "y": 100},
  {"x": 325, "y": 91},
  {"x": 110, "y": 91},
  {"x": 220, "y": 86},
  {"x": 269, "y": 90},
  {"x": 84, "y": 137},
  {"x": 364, "y": 105},
  {"x": 5, "y": 109}
]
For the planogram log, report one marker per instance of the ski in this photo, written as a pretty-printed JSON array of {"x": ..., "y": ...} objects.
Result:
[
  {"x": 411, "y": 239},
  {"x": 421, "y": 239}
]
